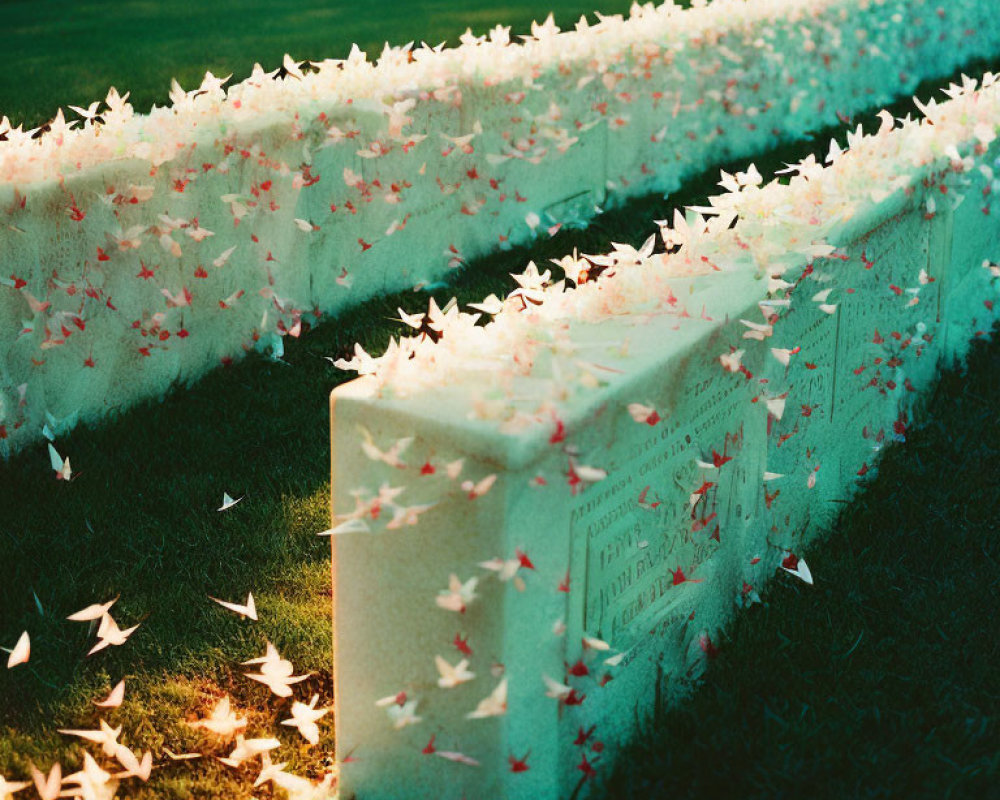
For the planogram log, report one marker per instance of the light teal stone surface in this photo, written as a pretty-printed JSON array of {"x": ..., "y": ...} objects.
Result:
[{"x": 613, "y": 555}]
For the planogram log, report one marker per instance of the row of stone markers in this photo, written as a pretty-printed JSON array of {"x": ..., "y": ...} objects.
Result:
[
  {"x": 138, "y": 251},
  {"x": 541, "y": 523}
]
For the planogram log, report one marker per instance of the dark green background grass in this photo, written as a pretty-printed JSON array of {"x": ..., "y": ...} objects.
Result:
[{"x": 879, "y": 681}]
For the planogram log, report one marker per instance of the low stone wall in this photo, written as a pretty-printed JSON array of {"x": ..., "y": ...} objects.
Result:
[
  {"x": 542, "y": 524},
  {"x": 143, "y": 250}
]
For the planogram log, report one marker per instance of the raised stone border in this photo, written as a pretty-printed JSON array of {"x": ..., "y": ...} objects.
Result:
[
  {"x": 141, "y": 252},
  {"x": 564, "y": 506}
]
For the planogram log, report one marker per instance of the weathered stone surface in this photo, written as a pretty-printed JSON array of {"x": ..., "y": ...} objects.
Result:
[
  {"x": 968, "y": 304},
  {"x": 602, "y": 564}
]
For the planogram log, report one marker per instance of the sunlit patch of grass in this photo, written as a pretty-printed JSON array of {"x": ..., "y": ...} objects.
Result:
[{"x": 157, "y": 716}]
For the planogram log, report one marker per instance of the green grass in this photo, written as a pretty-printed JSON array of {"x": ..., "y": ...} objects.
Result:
[
  {"x": 783, "y": 699},
  {"x": 61, "y": 52}
]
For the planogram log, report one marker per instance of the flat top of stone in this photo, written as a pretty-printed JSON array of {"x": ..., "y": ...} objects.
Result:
[{"x": 504, "y": 406}]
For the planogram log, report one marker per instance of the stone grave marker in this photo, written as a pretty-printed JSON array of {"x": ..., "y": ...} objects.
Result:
[
  {"x": 860, "y": 355},
  {"x": 970, "y": 304},
  {"x": 584, "y": 601}
]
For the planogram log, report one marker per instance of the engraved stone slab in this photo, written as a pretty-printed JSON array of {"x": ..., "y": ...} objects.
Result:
[
  {"x": 594, "y": 555},
  {"x": 973, "y": 291},
  {"x": 799, "y": 429},
  {"x": 863, "y": 331},
  {"x": 884, "y": 346}
]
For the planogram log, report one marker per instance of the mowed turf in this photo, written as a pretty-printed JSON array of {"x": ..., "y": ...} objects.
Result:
[
  {"x": 139, "y": 520},
  {"x": 62, "y": 52}
]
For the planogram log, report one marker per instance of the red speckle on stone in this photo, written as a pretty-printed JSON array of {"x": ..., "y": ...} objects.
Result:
[
  {"x": 719, "y": 460},
  {"x": 578, "y": 670},
  {"x": 583, "y": 735},
  {"x": 519, "y": 764},
  {"x": 574, "y": 699},
  {"x": 560, "y": 433}
]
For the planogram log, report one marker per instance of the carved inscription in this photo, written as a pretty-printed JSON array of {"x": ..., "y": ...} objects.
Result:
[
  {"x": 878, "y": 326},
  {"x": 657, "y": 512},
  {"x": 809, "y": 376}
]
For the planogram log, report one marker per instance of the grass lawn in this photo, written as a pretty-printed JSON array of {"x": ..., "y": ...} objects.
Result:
[{"x": 830, "y": 688}]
